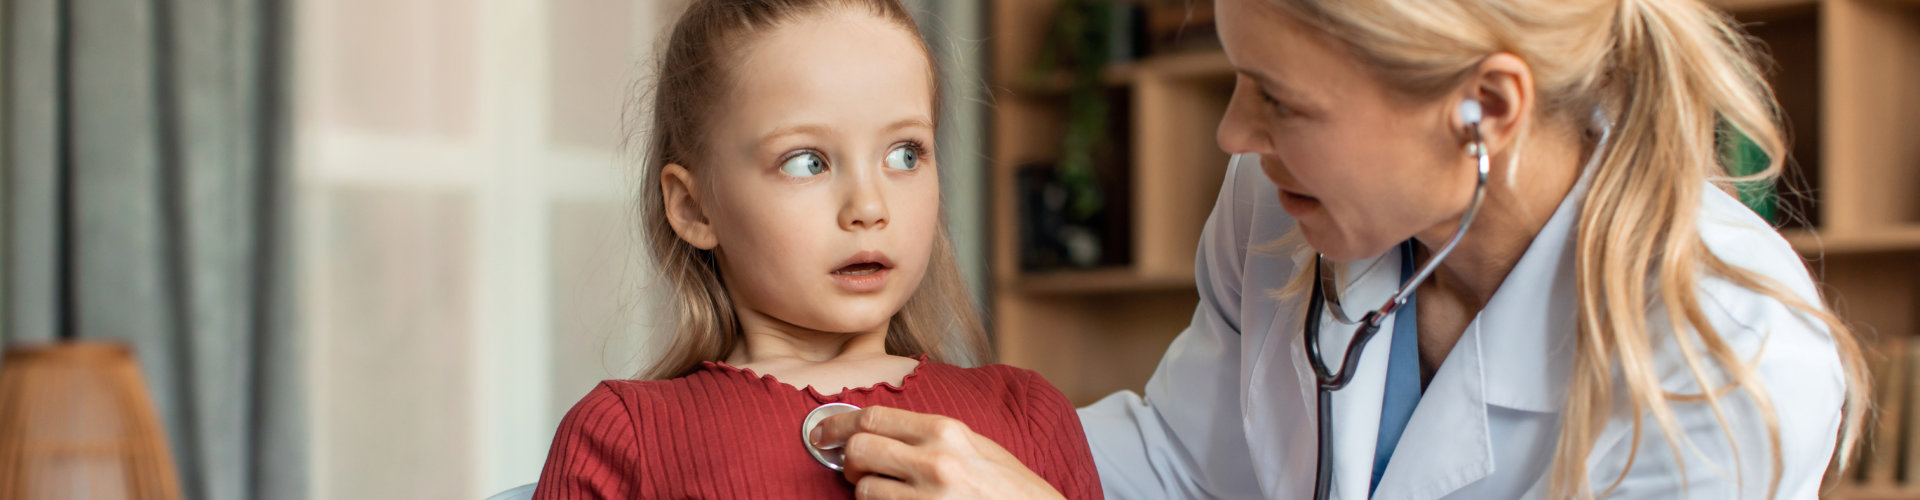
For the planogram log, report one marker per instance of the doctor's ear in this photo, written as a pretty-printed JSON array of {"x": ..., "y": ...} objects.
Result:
[
  {"x": 683, "y": 208},
  {"x": 1502, "y": 87}
]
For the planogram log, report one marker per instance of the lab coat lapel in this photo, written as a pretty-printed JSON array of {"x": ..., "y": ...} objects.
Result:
[
  {"x": 1356, "y": 408},
  {"x": 1282, "y": 430},
  {"x": 1451, "y": 422},
  {"x": 1515, "y": 354}
]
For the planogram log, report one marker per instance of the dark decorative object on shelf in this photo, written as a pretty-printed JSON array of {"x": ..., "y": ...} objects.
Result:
[
  {"x": 1087, "y": 37},
  {"x": 1053, "y": 237},
  {"x": 1072, "y": 211}
]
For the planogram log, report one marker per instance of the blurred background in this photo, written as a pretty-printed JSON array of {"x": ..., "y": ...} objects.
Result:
[{"x": 376, "y": 248}]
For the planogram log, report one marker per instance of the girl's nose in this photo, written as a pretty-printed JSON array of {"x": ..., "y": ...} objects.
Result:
[{"x": 865, "y": 203}]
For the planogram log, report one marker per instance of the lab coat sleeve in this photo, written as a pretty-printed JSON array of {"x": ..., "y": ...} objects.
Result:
[
  {"x": 1186, "y": 439},
  {"x": 1800, "y": 372}
]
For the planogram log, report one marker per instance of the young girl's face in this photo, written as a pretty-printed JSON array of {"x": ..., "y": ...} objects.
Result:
[{"x": 821, "y": 194}]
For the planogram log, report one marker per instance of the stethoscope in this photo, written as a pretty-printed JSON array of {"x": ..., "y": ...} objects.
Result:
[
  {"x": 1326, "y": 295},
  {"x": 832, "y": 456}
]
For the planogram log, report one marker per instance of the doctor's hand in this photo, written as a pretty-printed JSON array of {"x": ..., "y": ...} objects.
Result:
[{"x": 893, "y": 453}]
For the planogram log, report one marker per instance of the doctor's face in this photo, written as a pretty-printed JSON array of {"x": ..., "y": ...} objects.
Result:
[{"x": 1362, "y": 167}]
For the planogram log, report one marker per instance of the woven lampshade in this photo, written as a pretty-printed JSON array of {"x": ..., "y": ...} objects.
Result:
[{"x": 76, "y": 422}]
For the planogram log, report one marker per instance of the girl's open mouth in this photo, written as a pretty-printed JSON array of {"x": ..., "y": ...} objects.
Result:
[
  {"x": 860, "y": 269},
  {"x": 865, "y": 272}
]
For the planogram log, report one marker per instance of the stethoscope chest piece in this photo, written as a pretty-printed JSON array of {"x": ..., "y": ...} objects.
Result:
[{"x": 834, "y": 458}]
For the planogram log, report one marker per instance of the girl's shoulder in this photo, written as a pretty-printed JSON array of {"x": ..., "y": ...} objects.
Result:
[
  {"x": 617, "y": 398},
  {"x": 1020, "y": 387},
  {"x": 633, "y": 397},
  {"x": 634, "y": 389}
]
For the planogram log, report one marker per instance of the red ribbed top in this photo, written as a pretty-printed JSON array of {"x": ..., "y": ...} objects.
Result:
[{"x": 726, "y": 432}]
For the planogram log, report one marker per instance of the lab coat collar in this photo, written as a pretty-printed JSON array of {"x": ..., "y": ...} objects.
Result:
[
  {"x": 1515, "y": 354},
  {"x": 1528, "y": 327},
  {"x": 1519, "y": 359}
]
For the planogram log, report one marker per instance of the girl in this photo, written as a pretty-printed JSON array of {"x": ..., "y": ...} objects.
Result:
[{"x": 792, "y": 205}]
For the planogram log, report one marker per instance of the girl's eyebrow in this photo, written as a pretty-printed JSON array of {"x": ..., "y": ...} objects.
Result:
[
  {"x": 811, "y": 129},
  {"x": 817, "y": 129},
  {"x": 909, "y": 123}
]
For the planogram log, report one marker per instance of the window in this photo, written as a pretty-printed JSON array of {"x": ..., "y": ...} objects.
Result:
[{"x": 462, "y": 224}]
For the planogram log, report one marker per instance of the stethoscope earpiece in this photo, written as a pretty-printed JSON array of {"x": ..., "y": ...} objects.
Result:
[
  {"x": 1470, "y": 116},
  {"x": 1470, "y": 112}
]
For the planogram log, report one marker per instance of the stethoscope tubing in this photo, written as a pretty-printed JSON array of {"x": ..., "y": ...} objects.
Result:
[{"x": 1329, "y": 380}]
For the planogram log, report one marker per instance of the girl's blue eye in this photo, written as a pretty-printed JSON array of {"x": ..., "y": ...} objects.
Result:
[
  {"x": 905, "y": 157},
  {"x": 804, "y": 164}
]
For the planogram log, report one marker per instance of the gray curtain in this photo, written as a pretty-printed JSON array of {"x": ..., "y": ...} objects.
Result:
[
  {"x": 954, "y": 30},
  {"x": 166, "y": 119}
]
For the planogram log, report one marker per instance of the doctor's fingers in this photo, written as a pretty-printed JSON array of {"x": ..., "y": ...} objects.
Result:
[
  {"x": 882, "y": 488},
  {"x": 905, "y": 426},
  {"x": 870, "y": 455},
  {"x": 881, "y": 467}
]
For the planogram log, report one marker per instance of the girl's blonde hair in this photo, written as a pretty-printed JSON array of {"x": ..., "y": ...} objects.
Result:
[
  {"x": 692, "y": 80},
  {"x": 1670, "y": 72}
]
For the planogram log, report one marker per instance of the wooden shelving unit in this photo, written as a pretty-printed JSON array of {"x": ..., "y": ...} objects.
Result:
[
  {"x": 1093, "y": 332},
  {"x": 1847, "y": 73}
]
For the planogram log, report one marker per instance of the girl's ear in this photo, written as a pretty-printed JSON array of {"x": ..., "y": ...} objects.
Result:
[{"x": 684, "y": 211}]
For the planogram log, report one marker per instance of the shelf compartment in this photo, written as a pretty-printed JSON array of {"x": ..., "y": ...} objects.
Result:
[
  {"x": 1197, "y": 64},
  {"x": 1177, "y": 165},
  {"x": 1871, "y": 66},
  {"x": 1099, "y": 281},
  {"x": 1090, "y": 346},
  {"x": 1789, "y": 34},
  {"x": 1816, "y": 243}
]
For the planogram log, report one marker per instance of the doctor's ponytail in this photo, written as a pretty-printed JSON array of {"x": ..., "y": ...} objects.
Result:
[{"x": 1683, "y": 80}]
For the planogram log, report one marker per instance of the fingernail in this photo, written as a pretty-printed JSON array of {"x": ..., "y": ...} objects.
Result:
[{"x": 814, "y": 437}]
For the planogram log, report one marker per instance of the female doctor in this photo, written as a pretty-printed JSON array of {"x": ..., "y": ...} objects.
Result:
[{"x": 1608, "y": 321}]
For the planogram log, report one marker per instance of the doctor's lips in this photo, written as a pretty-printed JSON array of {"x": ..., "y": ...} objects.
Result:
[
  {"x": 864, "y": 272},
  {"x": 1297, "y": 204}
]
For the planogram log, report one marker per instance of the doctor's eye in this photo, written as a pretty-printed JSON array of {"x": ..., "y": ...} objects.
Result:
[
  {"x": 904, "y": 157},
  {"x": 803, "y": 164},
  {"x": 1273, "y": 105}
]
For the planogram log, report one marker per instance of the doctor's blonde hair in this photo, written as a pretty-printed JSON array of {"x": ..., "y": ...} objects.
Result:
[
  {"x": 701, "y": 51},
  {"x": 1670, "y": 72}
]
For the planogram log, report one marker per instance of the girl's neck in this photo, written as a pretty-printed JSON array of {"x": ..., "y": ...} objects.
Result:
[
  {"x": 826, "y": 361},
  {"x": 770, "y": 340}
]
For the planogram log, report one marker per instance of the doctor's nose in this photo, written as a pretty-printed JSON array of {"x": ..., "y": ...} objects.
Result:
[{"x": 1243, "y": 129}]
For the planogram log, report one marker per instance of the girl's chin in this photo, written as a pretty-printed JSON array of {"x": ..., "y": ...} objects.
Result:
[{"x": 852, "y": 316}]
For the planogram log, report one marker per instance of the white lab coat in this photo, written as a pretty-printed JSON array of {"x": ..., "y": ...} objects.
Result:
[{"x": 1230, "y": 411}]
